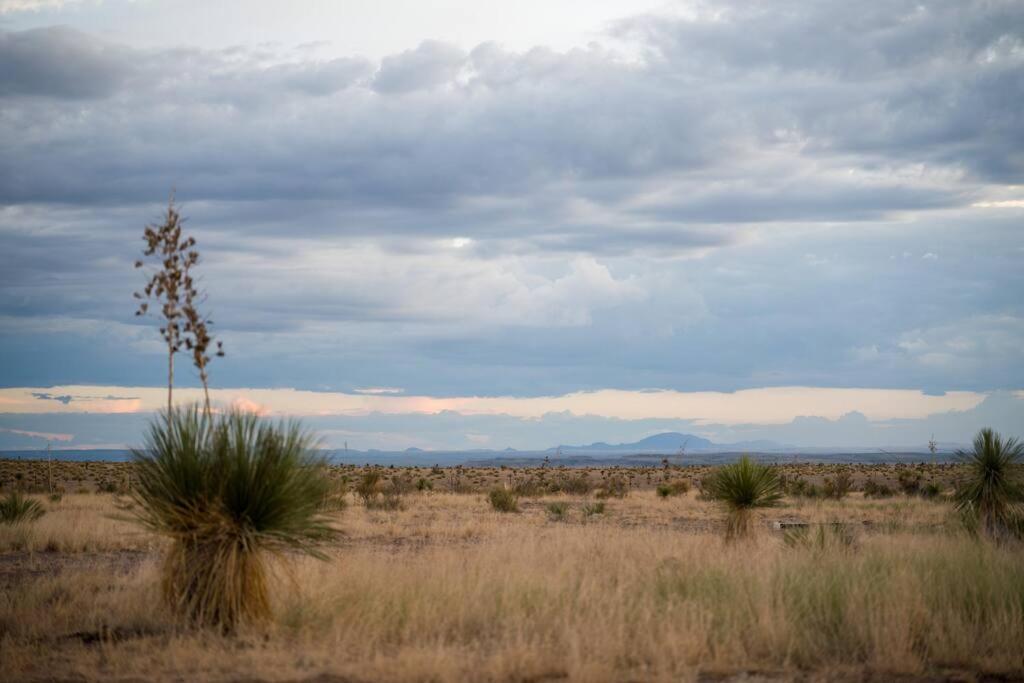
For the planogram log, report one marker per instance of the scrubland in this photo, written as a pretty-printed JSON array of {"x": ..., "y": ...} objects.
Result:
[{"x": 444, "y": 588}]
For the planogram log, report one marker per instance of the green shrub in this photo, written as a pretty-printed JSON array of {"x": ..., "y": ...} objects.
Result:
[
  {"x": 557, "y": 511},
  {"x": 369, "y": 487},
  {"x": 503, "y": 500},
  {"x": 591, "y": 509},
  {"x": 673, "y": 488},
  {"x": 838, "y": 486},
  {"x": 578, "y": 485},
  {"x": 909, "y": 482},
  {"x": 16, "y": 507},
  {"x": 994, "y": 489},
  {"x": 742, "y": 487},
  {"x": 227, "y": 491},
  {"x": 614, "y": 487},
  {"x": 874, "y": 489}
]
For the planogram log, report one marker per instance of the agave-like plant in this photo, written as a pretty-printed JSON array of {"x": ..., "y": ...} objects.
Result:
[
  {"x": 16, "y": 507},
  {"x": 230, "y": 491},
  {"x": 743, "y": 486},
  {"x": 994, "y": 489}
]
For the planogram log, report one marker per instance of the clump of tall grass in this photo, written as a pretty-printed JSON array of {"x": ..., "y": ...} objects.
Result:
[
  {"x": 672, "y": 488},
  {"x": 613, "y": 487},
  {"x": 557, "y": 511},
  {"x": 822, "y": 538},
  {"x": 16, "y": 507},
  {"x": 376, "y": 494},
  {"x": 875, "y": 489},
  {"x": 229, "y": 491},
  {"x": 838, "y": 487},
  {"x": 503, "y": 500},
  {"x": 992, "y": 494},
  {"x": 744, "y": 486}
]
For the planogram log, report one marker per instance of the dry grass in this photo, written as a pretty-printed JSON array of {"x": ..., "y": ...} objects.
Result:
[
  {"x": 447, "y": 589},
  {"x": 77, "y": 524}
]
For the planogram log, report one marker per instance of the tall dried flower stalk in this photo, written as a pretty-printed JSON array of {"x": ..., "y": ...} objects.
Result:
[{"x": 172, "y": 285}]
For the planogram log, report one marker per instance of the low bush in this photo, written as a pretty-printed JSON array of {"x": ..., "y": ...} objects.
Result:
[
  {"x": 837, "y": 487},
  {"x": 909, "y": 482},
  {"x": 591, "y": 509},
  {"x": 578, "y": 485},
  {"x": 503, "y": 500},
  {"x": 673, "y": 488},
  {"x": 614, "y": 487},
  {"x": 874, "y": 489},
  {"x": 557, "y": 511}
]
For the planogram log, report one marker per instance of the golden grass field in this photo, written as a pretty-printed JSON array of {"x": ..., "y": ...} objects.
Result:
[{"x": 447, "y": 589}]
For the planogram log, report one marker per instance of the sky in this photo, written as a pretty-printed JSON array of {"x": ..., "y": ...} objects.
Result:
[{"x": 486, "y": 225}]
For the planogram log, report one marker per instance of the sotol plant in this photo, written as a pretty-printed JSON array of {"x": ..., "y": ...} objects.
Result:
[
  {"x": 16, "y": 507},
  {"x": 229, "y": 491},
  {"x": 744, "y": 486},
  {"x": 994, "y": 489}
]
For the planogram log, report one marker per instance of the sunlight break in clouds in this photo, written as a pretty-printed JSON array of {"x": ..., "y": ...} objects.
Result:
[{"x": 774, "y": 405}]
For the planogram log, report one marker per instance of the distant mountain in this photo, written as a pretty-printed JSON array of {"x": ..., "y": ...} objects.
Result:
[{"x": 668, "y": 442}]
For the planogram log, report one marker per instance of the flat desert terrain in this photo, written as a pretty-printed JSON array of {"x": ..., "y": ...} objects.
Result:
[{"x": 597, "y": 576}]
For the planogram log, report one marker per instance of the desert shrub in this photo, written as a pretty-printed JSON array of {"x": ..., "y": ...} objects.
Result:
[
  {"x": 874, "y": 489},
  {"x": 424, "y": 484},
  {"x": 369, "y": 486},
  {"x": 503, "y": 500},
  {"x": 613, "y": 487},
  {"x": 528, "y": 487},
  {"x": 15, "y": 507},
  {"x": 557, "y": 511},
  {"x": 591, "y": 509},
  {"x": 930, "y": 491},
  {"x": 673, "y": 488},
  {"x": 801, "y": 488},
  {"x": 909, "y": 482},
  {"x": 993, "y": 491},
  {"x": 227, "y": 491},
  {"x": 402, "y": 484},
  {"x": 742, "y": 487},
  {"x": 578, "y": 485},
  {"x": 838, "y": 486}
]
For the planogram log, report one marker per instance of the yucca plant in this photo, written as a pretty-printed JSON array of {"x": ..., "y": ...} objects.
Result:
[
  {"x": 993, "y": 492},
  {"x": 744, "y": 486},
  {"x": 230, "y": 491},
  {"x": 16, "y": 507}
]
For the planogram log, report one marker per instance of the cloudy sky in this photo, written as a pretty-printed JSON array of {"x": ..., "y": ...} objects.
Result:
[{"x": 492, "y": 224}]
